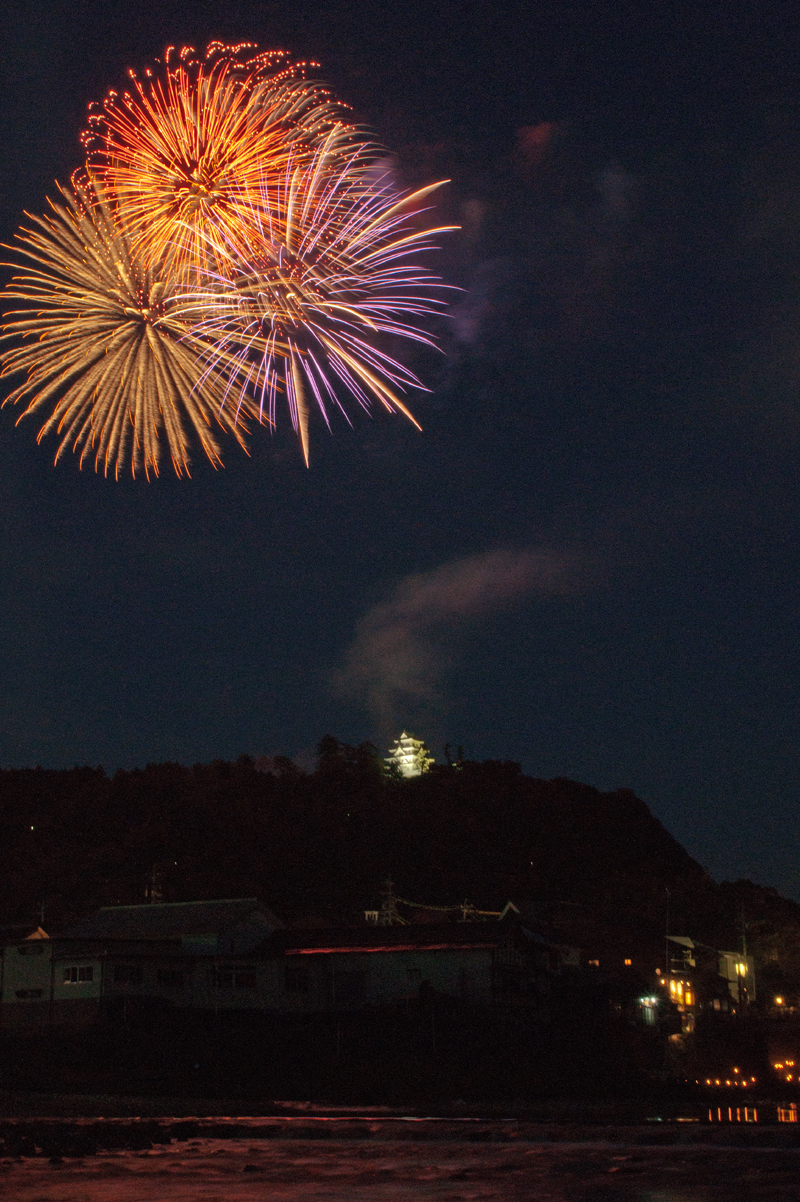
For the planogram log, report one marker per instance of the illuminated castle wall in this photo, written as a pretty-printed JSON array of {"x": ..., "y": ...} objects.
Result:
[{"x": 410, "y": 755}]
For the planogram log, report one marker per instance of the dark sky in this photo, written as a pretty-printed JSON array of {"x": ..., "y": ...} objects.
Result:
[{"x": 589, "y": 560}]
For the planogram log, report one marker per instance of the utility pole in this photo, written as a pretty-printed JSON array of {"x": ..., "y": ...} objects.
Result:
[{"x": 666, "y": 936}]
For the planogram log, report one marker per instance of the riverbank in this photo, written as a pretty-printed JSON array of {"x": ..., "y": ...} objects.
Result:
[
  {"x": 248, "y": 1169},
  {"x": 95, "y": 1128}
]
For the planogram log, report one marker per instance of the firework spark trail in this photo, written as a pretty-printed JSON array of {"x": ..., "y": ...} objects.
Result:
[
  {"x": 183, "y": 153},
  {"x": 303, "y": 300},
  {"x": 228, "y": 242},
  {"x": 99, "y": 341}
]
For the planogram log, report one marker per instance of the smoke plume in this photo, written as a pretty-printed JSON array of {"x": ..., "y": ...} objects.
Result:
[{"x": 396, "y": 661}]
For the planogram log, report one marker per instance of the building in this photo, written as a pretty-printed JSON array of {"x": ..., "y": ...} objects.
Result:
[
  {"x": 196, "y": 954},
  {"x": 409, "y": 755},
  {"x": 702, "y": 977},
  {"x": 235, "y": 955},
  {"x": 483, "y": 963}
]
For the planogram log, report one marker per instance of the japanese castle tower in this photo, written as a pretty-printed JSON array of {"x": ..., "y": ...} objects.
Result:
[{"x": 410, "y": 755}]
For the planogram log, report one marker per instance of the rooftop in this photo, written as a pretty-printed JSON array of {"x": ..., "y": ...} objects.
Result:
[
  {"x": 415, "y": 937},
  {"x": 170, "y": 920}
]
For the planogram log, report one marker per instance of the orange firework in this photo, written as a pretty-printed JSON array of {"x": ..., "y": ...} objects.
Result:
[{"x": 182, "y": 156}]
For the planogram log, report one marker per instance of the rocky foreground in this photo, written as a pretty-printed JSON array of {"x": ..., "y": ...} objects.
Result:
[
  {"x": 394, "y": 1159},
  {"x": 312, "y": 1170}
]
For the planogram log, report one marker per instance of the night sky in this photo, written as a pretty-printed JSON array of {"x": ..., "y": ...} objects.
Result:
[{"x": 588, "y": 561}]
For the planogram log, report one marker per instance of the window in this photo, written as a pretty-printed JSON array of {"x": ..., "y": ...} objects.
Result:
[
  {"x": 297, "y": 978},
  {"x": 234, "y": 978},
  {"x": 75, "y": 975},
  {"x": 170, "y": 978},
  {"x": 349, "y": 988},
  {"x": 127, "y": 974},
  {"x": 28, "y": 994}
]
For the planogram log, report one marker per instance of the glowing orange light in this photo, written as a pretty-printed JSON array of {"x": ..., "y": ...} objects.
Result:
[{"x": 185, "y": 151}]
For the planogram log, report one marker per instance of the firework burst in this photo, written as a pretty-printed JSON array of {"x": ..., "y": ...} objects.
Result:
[
  {"x": 300, "y": 309},
  {"x": 181, "y": 155},
  {"x": 102, "y": 348},
  {"x": 230, "y": 241}
]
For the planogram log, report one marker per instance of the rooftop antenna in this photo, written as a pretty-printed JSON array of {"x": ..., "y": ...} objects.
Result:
[
  {"x": 154, "y": 892},
  {"x": 389, "y": 914}
]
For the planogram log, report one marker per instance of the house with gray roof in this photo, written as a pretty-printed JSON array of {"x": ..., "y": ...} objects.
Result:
[{"x": 195, "y": 954}]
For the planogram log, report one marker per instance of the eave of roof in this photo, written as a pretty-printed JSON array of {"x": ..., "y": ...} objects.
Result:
[
  {"x": 425, "y": 937},
  {"x": 361, "y": 949}
]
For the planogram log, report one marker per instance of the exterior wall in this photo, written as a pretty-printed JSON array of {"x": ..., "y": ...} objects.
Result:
[
  {"x": 53, "y": 981},
  {"x": 348, "y": 980},
  {"x": 26, "y": 981},
  {"x": 26, "y": 970},
  {"x": 34, "y": 991},
  {"x": 737, "y": 970},
  {"x": 84, "y": 980},
  {"x": 230, "y": 984}
]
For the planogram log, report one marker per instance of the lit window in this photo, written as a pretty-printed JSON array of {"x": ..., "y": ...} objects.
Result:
[
  {"x": 595, "y": 963},
  {"x": 76, "y": 974},
  {"x": 628, "y": 963}
]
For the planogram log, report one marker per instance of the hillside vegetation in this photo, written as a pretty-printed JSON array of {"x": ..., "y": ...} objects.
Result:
[{"x": 598, "y": 867}]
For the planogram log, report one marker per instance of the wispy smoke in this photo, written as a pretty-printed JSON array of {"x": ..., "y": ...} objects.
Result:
[{"x": 396, "y": 661}]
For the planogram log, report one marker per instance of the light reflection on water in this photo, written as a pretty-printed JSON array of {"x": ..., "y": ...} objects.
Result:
[
  {"x": 733, "y": 1114},
  {"x": 751, "y": 1114}
]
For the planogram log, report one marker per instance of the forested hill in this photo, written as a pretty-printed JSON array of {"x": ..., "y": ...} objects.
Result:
[{"x": 318, "y": 846}]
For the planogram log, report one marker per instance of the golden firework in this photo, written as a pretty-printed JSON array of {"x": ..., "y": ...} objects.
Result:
[
  {"x": 102, "y": 348},
  {"x": 181, "y": 156}
]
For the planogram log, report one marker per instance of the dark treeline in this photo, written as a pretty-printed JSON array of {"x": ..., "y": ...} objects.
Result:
[{"x": 318, "y": 846}]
